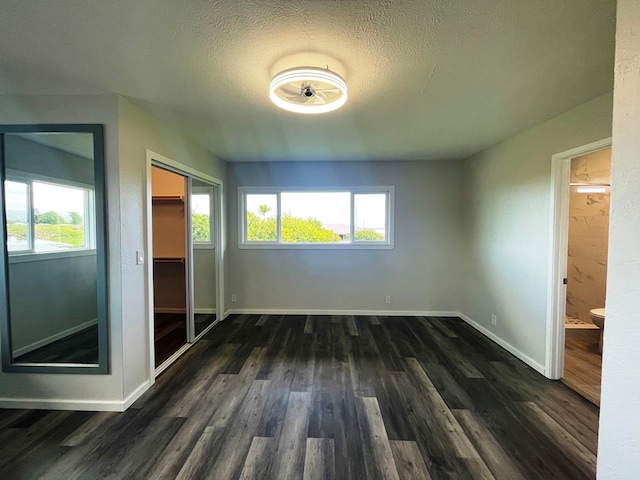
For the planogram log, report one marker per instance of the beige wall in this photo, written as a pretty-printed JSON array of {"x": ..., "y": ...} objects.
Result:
[
  {"x": 507, "y": 226},
  {"x": 588, "y": 235},
  {"x": 420, "y": 273},
  {"x": 619, "y": 434}
]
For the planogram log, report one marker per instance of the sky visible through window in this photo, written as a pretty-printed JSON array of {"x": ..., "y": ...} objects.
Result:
[{"x": 46, "y": 197}]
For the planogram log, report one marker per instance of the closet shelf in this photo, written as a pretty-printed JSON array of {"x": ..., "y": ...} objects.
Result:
[
  {"x": 168, "y": 259},
  {"x": 168, "y": 198}
]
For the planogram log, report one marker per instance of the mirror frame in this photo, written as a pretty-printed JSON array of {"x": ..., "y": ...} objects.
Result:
[{"x": 102, "y": 367}]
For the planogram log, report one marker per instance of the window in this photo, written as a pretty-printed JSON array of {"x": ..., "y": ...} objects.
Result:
[
  {"x": 47, "y": 217},
  {"x": 357, "y": 217}
]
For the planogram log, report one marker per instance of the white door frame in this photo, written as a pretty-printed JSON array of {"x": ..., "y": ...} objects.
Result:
[
  {"x": 156, "y": 159},
  {"x": 559, "y": 241}
]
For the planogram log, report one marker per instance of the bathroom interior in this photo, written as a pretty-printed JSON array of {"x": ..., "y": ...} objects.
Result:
[{"x": 587, "y": 272}]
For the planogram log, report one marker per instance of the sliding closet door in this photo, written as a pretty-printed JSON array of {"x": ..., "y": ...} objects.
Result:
[
  {"x": 203, "y": 255},
  {"x": 169, "y": 263}
]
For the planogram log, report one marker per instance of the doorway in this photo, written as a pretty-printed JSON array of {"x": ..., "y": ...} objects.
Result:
[
  {"x": 169, "y": 220},
  {"x": 184, "y": 236},
  {"x": 588, "y": 239},
  {"x": 580, "y": 209}
]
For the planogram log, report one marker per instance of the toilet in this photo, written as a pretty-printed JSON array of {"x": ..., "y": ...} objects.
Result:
[{"x": 597, "y": 317}]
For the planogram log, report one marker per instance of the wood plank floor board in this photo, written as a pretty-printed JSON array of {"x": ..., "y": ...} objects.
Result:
[
  {"x": 46, "y": 447},
  {"x": 302, "y": 380},
  {"x": 288, "y": 458},
  {"x": 239, "y": 434},
  {"x": 117, "y": 436},
  {"x": 449, "y": 350},
  {"x": 584, "y": 459},
  {"x": 574, "y": 413},
  {"x": 203, "y": 455},
  {"x": 10, "y": 417},
  {"x": 87, "y": 429},
  {"x": 186, "y": 399},
  {"x": 583, "y": 363},
  {"x": 539, "y": 457},
  {"x": 319, "y": 460},
  {"x": 378, "y": 457},
  {"x": 387, "y": 349},
  {"x": 17, "y": 440},
  {"x": 390, "y": 402},
  {"x": 178, "y": 449},
  {"x": 305, "y": 397},
  {"x": 498, "y": 461},
  {"x": 262, "y": 320},
  {"x": 409, "y": 462},
  {"x": 258, "y": 462}
]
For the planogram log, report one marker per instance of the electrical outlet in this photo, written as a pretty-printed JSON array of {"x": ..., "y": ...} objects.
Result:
[
  {"x": 494, "y": 320},
  {"x": 387, "y": 299},
  {"x": 234, "y": 297}
]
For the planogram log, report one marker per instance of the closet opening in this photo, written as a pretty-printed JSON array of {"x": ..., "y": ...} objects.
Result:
[
  {"x": 169, "y": 222},
  {"x": 184, "y": 236}
]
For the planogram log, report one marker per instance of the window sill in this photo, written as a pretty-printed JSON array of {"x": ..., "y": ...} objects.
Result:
[{"x": 43, "y": 256}]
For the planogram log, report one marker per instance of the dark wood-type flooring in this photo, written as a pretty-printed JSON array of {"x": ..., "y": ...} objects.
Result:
[
  {"x": 170, "y": 334},
  {"x": 297, "y": 397},
  {"x": 583, "y": 362},
  {"x": 80, "y": 347},
  {"x": 202, "y": 321}
]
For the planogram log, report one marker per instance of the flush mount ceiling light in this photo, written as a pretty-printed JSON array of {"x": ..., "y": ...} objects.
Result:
[{"x": 308, "y": 90}]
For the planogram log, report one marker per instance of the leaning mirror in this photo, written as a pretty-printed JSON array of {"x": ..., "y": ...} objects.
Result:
[{"x": 53, "y": 292}]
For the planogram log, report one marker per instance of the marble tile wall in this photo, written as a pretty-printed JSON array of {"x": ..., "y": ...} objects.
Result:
[{"x": 588, "y": 236}]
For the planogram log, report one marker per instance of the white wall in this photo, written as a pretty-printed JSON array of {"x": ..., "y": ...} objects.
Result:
[
  {"x": 139, "y": 131},
  {"x": 619, "y": 435},
  {"x": 420, "y": 273},
  {"x": 79, "y": 391},
  {"x": 506, "y": 225}
]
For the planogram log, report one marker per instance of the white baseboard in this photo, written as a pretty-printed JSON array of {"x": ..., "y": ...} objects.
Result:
[
  {"x": 507, "y": 346},
  {"x": 54, "y": 338},
  {"x": 79, "y": 405},
  {"x": 169, "y": 361},
  {"x": 205, "y": 311},
  {"x": 377, "y": 313},
  {"x": 135, "y": 395}
]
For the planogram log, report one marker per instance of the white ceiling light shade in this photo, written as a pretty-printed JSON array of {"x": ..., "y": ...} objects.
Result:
[{"x": 308, "y": 90}]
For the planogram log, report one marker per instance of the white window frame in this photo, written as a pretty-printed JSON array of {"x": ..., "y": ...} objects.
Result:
[
  {"x": 30, "y": 254},
  {"x": 387, "y": 244},
  {"x": 208, "y": 190}
]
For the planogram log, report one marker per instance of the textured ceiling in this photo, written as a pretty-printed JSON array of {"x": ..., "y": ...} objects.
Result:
[{"x": 428, "y": 79}]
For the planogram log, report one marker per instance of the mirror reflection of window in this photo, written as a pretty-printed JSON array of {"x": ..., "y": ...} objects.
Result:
[
  {"x": 201, "y": 217},
  {"x": 203, "y": 255},
  {"x": 17, "y": 200}
]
